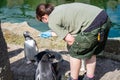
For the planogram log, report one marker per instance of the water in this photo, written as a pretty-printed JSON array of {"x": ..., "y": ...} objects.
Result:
[
  {"x": 24, "y": 10},
  {"x": 113, "y": 10}
]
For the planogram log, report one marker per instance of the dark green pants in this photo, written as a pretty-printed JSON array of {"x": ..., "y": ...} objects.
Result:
[{"x": 86, "y": 43}]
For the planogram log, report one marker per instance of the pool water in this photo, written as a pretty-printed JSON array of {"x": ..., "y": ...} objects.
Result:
[{"x": 16, "y": 11}]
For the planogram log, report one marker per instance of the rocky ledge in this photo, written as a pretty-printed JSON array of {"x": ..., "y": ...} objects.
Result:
[{"x": 108, "y": 65}]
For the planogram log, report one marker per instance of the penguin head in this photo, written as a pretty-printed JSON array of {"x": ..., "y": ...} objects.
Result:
[{"x": 26, "y": 35}]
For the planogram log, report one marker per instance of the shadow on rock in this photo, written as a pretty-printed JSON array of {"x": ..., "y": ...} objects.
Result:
[
  {"x": 104, "y": 66},
  {"x": 15, "y": 52}
]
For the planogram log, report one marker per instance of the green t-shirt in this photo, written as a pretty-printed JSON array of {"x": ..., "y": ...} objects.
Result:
[{"x": 72, "y": 18}]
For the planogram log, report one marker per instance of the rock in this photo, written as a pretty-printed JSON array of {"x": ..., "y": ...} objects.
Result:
[
  {"x": 106, "y": 69},
  {"x": 19, "y": 28}
]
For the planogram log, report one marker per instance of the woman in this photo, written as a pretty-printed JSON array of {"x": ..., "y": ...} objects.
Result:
[{"x": 84, "y": 27}]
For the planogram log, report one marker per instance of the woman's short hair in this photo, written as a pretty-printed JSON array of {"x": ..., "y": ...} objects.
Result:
[{"x": 43, "y": 9}]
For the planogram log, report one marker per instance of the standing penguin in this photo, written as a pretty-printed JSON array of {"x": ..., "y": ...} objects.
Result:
[{"x": 30, "y": 47}]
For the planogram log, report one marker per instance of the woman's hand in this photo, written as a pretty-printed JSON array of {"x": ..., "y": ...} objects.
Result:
[
  {"x": 69, "y": 39},
  {"x": 53, "y": 33}
]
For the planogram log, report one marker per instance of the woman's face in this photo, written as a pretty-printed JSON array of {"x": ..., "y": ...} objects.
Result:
[{"x": 44, "y": 18}]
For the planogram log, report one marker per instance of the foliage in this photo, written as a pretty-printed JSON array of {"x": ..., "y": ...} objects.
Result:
[{"x": 13, "y": 38}]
